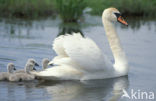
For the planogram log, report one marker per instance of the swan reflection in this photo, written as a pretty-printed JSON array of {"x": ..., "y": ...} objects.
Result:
[{"x": 108, "y": 89}]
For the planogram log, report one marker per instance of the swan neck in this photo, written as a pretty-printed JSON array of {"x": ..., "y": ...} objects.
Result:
[
  {"x": 44, "y": 65},
  {"x": 9, "y": 70},
  {"x": 27, "y": 69},
  {"x": 114, "y": 42}
]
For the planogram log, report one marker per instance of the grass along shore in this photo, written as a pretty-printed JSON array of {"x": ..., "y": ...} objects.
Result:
[
  {"x": 127, "y": 7},
  {"x": 26, "y": 8},
  {"x": 44, "y": 8}
]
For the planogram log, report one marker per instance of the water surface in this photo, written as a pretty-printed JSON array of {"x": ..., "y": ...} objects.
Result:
[{"x": 23, "y": 39}]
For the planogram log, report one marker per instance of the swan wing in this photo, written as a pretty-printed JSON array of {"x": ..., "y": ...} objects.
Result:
[
  {"x": 58, "y": 46},
  {"x": 85, "y": 53},
  {"x": 59, "y": 49}
]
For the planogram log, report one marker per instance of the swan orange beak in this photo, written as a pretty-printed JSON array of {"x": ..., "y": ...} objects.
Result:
[{"x": 121, "y": 20}]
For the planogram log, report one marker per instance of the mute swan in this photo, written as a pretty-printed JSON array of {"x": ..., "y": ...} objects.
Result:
[
  {"x": 80, "y": 58},
  {"x": 45, "y": 62},
  {"x": 29, "y": 61},
  {"x": 26, "y": 76},
  {"x": 10, "y": 69}
]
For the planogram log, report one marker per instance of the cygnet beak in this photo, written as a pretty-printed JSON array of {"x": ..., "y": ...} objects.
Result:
[
  {"x": 36, "y": 64},
  {"x": 34, "y": 68}
]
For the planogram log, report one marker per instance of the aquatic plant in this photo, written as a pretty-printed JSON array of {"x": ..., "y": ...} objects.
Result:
[
  {"x": 26, "y": 8},
  {"x": 70, "y": 10},
  {"x": 69, "y": 28},
  {"x": 128, "y": 7}
]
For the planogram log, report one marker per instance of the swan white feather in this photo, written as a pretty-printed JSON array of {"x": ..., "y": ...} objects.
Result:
[
  {"x": 75, "y": 47},
  {"x": 63, "y": 72},
  {"x": 58, "y": 46},
  {"x": 80, "y": 58},
  {"x": 85, "y": 53}
]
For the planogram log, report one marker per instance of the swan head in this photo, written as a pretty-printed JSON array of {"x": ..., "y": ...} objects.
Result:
[
  {"x": 113, "y": 15},
  {"x": 32, "y": 61},
  {"x": 45, "y": 62},
  {"x": 11, "y": 67},
  {"x": 29, "y": 67}
]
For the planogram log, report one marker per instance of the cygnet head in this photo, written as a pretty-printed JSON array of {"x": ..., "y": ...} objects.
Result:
[
  {"x": 11, "y": 68},
  {"x": 33, "y": 62},
  {"x": 45, "y": 62},
  {"x": 29, "y": 67},
  {"x": 113, "y": 15}
]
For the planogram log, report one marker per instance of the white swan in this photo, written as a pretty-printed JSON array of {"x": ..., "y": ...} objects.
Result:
[
  {"x": 23, "y": 76},
  {"x": 81, "y": 59},
  {"x": 10, "y": 70}
]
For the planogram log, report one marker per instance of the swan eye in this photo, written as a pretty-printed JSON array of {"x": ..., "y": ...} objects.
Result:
[{"x": 117, "y": 15}]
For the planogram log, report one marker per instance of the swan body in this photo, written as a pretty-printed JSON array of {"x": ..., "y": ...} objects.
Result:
[
  {"x": 80, "y": 58},
  {"x": 23, "y": 76},
  {"x": 10, "y": 70}
]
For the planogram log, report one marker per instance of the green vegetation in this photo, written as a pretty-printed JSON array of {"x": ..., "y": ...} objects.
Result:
[
  {"x": 72, "y": 10},
  {"x": 69, "y": 28},
  {"x": 128, "y": 7},
  {"x": 26, "y": 8}
]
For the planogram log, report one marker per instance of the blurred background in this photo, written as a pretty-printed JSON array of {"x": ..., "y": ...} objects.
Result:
[
  {"x": 28, "y": 28},
  {"x": 70, "y": 10},
  {"x": 71, "y": 13}
]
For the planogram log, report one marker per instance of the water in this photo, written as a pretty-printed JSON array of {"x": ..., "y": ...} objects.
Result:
[{"x": 23, "y": 39}]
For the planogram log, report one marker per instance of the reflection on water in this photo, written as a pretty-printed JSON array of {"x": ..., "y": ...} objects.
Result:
[
  {"x": 136, "y": 23},
  {"x": 109, "y": 90},
  {"x": 23, "y": 39},
  {"x": 22, "y": 91},
  {"x": 69, "y": 28},
  {"x": 15, "y": 27},
  {"x": 93, "y": 90}
]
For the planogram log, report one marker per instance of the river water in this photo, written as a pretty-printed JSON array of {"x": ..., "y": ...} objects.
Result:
[{"x": 23, "y": 39}]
